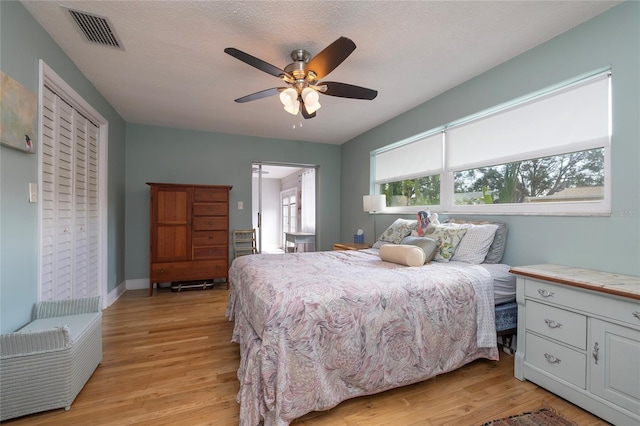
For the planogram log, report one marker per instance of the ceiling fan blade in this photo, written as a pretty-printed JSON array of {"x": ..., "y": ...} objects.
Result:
[
  {"x": 260, "y": 95},
  {"x": 344, "y": 90},
  {"x": 303, "y": 110},
  {"x": 332, "y": 56},
  {"x": 255, "y": 62}
]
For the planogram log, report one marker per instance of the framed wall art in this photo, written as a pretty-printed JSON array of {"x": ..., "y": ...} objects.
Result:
[{"x": 18, "y": 115}]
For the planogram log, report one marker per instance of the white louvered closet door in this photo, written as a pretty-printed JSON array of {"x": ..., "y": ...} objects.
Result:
[{"x": 70, "y": 226}]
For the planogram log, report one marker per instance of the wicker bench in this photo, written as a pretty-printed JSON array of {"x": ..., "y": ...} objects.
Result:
[{"x": 45, "y": 364}]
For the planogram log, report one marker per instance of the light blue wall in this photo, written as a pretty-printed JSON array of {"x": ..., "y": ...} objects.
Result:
[
  {"x": 22, "y": 43},
  {"x": 157, "y": 154},
  {"x": 605, "y": 243}
]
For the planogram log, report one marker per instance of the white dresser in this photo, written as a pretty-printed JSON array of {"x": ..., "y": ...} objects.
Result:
[{"x": 579, "y": 337}]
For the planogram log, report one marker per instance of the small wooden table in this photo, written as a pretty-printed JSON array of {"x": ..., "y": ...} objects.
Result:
[
  {"x": 300, "y": 238},
  {"x": 350, "y": 246}
]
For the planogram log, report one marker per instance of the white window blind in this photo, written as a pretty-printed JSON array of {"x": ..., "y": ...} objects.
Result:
[
  {"x": 573, "y": 119},
  {"x": 422, "y": 157}
]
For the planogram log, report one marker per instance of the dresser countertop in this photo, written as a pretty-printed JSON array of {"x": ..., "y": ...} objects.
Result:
[{"x": 605, "y": 282}]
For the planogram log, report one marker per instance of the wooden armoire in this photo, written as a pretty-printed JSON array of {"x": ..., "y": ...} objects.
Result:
[{"x": 189, "y": 233}]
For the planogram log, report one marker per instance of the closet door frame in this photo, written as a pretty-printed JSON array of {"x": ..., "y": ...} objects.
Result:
[{"x": 51, "y": 79}]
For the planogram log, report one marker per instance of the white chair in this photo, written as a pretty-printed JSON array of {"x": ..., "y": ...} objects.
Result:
[{"x": 244, "y": 242}]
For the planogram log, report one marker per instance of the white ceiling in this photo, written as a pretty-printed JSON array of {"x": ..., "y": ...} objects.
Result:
[{"x": 173, "y": 70}]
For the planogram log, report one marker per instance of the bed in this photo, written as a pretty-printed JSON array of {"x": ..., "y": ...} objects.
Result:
[{"x": 315, "y": 329}]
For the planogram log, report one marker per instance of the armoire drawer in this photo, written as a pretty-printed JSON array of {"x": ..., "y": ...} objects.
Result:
[
  {"x": 185, "y": 271},
  {"x": 209, "y": 223},
  {"x": 207, "y": 238},
  {"x": 209, "y": 252},
  {"x": 558, "y": 360},
  {"x": 210, "y": 194},
  {"x": 210, "y": 209},
  {"x": 556, "y": 323}
]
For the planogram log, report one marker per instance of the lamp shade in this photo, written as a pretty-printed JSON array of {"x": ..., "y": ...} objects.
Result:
[
  {"x": 374, "y": 203},
  {"x": 289, "y": 99},
  {"x": 311, "y": 98}
]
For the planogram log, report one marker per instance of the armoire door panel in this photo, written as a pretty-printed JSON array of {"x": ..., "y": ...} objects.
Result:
[
  {"x": 172, "y": 243},
  {"x": 172, "y": 207}
]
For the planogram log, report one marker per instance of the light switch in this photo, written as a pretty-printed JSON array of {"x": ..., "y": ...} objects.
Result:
[
  {"x": 240, "y": 205},
  {"x": 33, "y": 192}
]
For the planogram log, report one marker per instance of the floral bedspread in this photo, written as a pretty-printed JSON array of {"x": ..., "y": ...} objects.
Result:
[{"x": 318, "y": 328}]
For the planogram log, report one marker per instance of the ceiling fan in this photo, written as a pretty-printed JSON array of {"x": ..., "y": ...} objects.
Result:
[{"x": 302, "y": 78}]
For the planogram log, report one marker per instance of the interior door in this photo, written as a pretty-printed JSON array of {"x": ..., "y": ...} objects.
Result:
[{"x": 269, "y": 180}]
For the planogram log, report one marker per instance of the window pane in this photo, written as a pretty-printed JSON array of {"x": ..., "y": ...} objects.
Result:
[
  {"x": 572, "y": 177},
  {"x": 422, "y": 191}
]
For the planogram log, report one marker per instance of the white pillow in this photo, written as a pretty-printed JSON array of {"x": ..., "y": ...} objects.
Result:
[
  {"x": 408, "y": 255},
  {"x": 475, "y": 244}
]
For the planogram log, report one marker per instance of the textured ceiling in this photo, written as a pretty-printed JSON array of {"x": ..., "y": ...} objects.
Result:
[{"x": 173, "y": 70}]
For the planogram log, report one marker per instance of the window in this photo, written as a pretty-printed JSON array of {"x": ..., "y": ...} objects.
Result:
[
  {"x": 409, "y": 173},
  {"x": 544, "y": 154},
  {"x": 577, "y": 176},
  {"x": 288, "y": 209}
]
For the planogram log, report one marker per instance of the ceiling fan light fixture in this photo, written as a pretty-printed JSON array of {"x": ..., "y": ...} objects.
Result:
[
  {"x": 311, "y": 100},
  {"x": 294, "y": 108},
  {"x": 289, "y": 99}
]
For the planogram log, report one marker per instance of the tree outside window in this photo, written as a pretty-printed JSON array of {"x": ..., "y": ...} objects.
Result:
[{"x": 576, "y": 176}]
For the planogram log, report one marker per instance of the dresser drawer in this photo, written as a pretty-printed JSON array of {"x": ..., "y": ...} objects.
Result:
[
  {"x": 209, "y": 252},
  {"x": 556, "y": 359},
  {"x": 210, "y": 209},
  {"x": 209, "y": 223},
  {"x": 612, "y": 307},
  {"x": 563, "y": 326},
  {"x": 210, "y": 194},
  {"x": 549, "y": 292},
  {"x": 208, "y": 238}
]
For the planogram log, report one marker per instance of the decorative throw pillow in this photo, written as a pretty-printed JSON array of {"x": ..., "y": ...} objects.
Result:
[
  {"x": 408, "y": 255},
  {"x": 475, "y": 245},
  {"x": 448, "y": 237},
  {"x": 428, "y": 245},
  {"x": 496, "y": 250},
  {"x": 423, "y": 222},
  {"x": 396, "y": 232}
]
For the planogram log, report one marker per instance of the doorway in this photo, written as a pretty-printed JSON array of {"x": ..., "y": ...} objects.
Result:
[{"x": 283, "y": 200}]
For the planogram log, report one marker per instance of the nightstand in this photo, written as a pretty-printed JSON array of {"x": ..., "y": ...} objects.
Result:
[{"x": 350, "y": 246}]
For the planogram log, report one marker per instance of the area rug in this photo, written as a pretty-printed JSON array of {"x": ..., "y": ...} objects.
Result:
[{"x": 541, "y": 417}]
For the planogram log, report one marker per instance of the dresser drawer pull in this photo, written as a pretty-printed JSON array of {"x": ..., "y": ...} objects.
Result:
[
  {"x": 637, "y": 314},
  {"x": 553, "y": 324},
  {"x": 545, "y": 293},
  {"x": 210, "y": 222},
  {"x": 552, "y": 359},
  {"x": 596, "y": 349}
]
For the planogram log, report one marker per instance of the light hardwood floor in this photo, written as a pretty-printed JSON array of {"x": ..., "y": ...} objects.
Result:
[{"x": 168, "y": 360}]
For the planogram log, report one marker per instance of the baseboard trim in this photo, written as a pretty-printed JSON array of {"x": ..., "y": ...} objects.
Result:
[
  {"x": 116, "y": 293},
  {"x": 138, "y": 284}
]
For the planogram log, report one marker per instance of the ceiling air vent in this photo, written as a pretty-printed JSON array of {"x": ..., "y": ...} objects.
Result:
[{"x": 96, "y": 28}]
